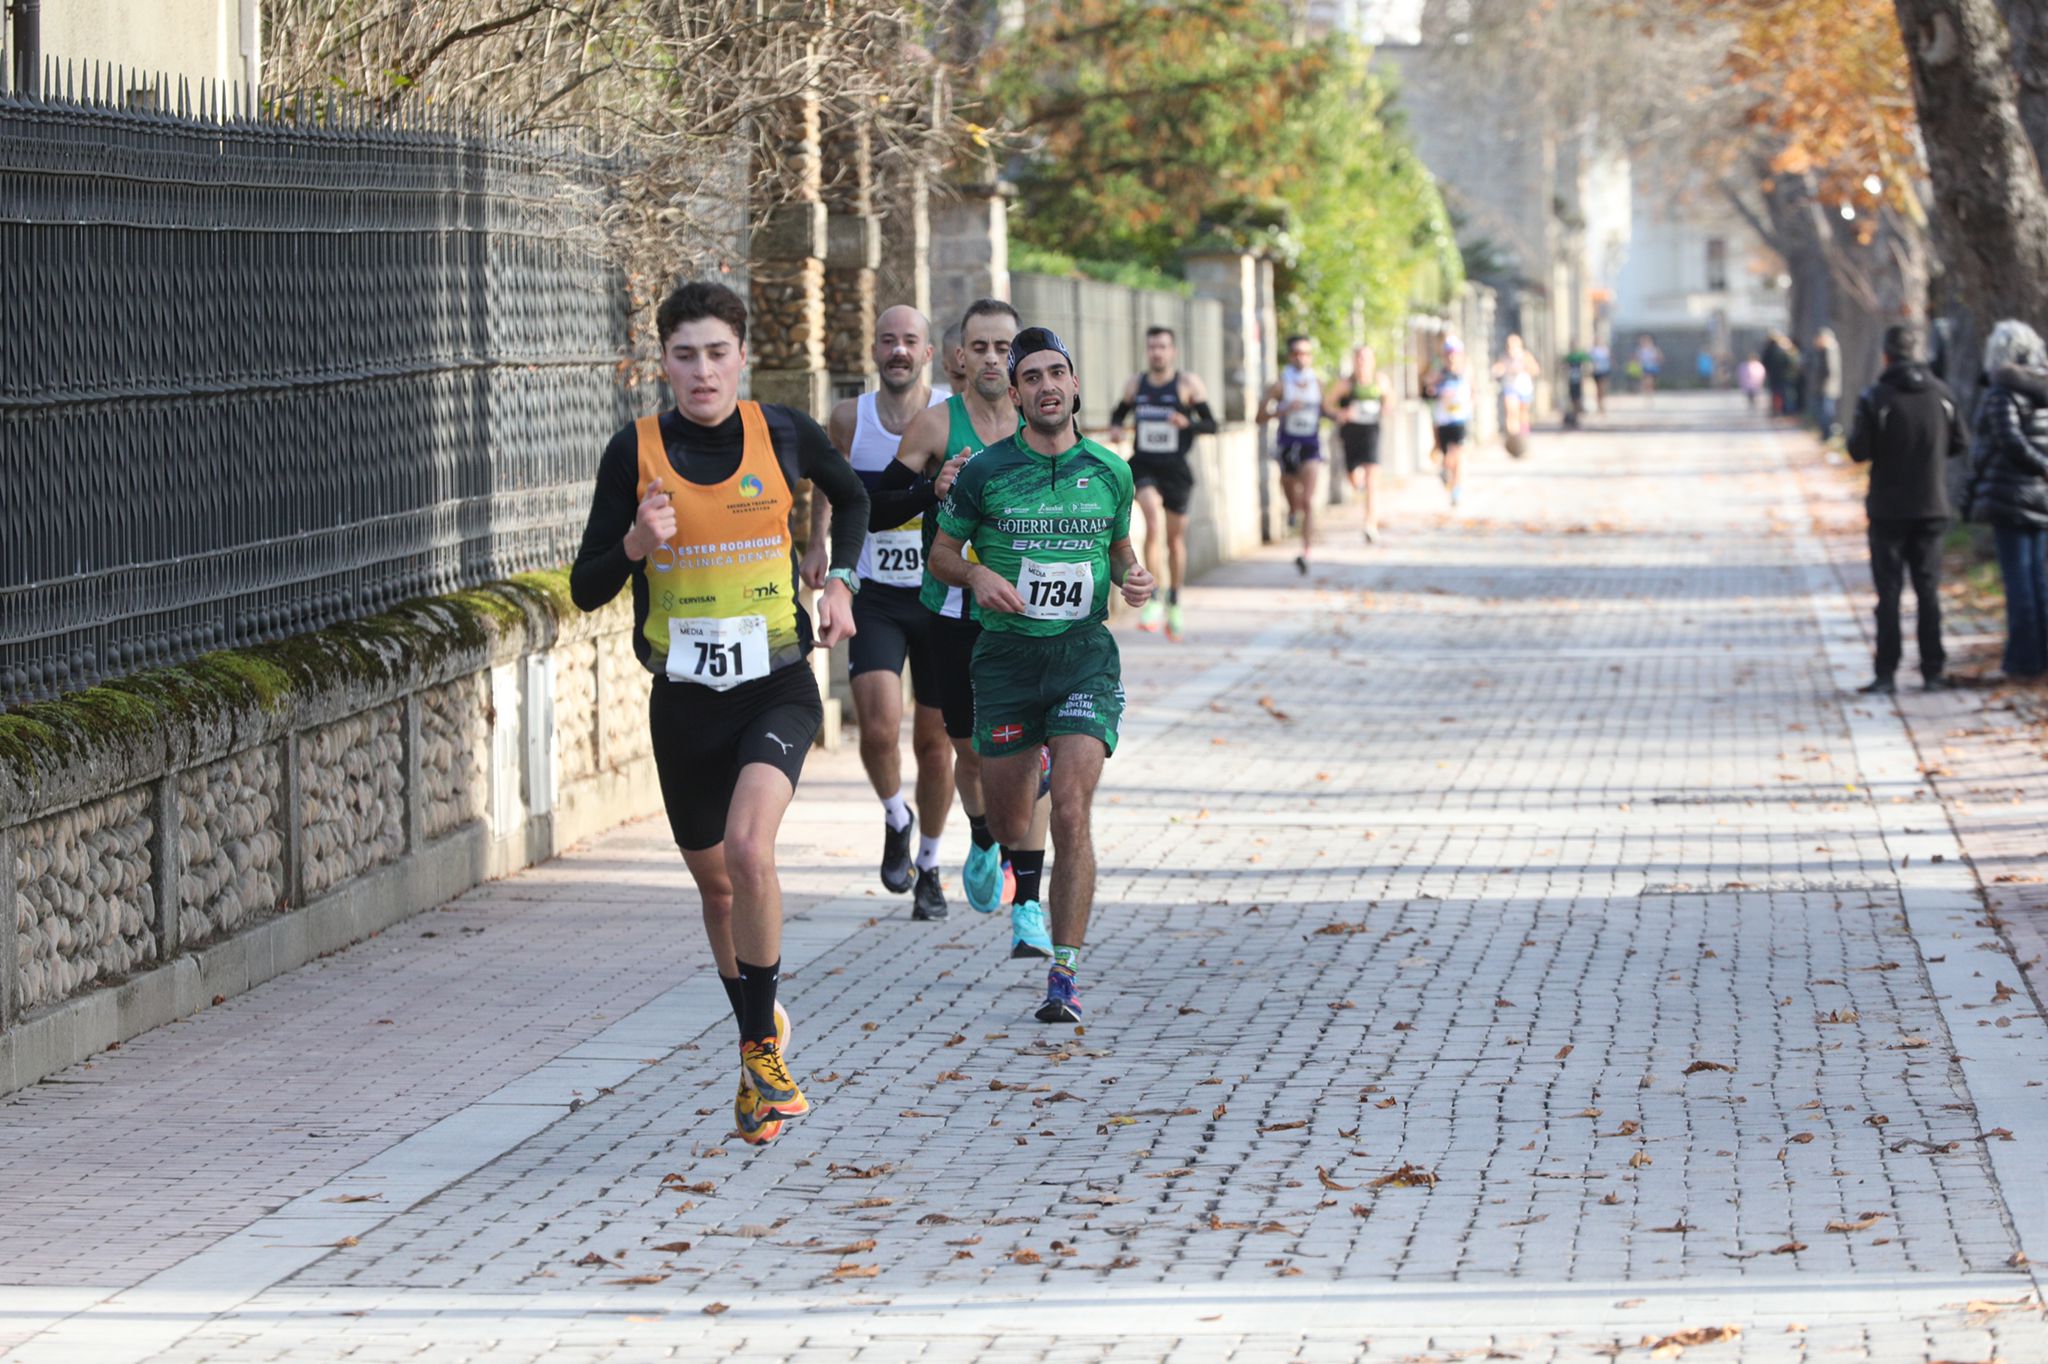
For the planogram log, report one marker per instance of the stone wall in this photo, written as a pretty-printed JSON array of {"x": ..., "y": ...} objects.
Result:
[
  {"x": 352, "y": 796},
  {"x": 231, "y": 844},
  {"x": 83, "y": 911},
  {"x": 183, "y": 835}
]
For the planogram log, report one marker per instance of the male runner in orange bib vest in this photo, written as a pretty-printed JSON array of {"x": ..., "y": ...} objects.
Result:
[{"x": 693, "y": 507}]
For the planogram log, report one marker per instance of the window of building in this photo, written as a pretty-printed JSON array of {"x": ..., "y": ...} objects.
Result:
[{"x": 1717, "y": 264}]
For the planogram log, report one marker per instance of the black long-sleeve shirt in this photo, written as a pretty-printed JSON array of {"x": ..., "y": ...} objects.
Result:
[{"x": 706, "y": 455}]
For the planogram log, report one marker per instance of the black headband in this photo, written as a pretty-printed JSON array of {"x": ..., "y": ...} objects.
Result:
[{"x": 1032, "y": 340}]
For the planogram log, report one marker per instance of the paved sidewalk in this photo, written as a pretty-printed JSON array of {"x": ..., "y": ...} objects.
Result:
[{"x": 1514, "y": 940}]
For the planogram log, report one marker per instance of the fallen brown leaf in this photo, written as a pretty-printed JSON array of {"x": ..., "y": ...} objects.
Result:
[
  {"x": 1863, "y": 1223},
  {"x": 673, "y": 1247},
  {"x": 1409, "y": 1176},
  {"x": 855, "y": 1271},
  {"x": 1698, "y": 1066},
  {"x": 639, "y": 1278},
  {"x": 1329, "y": 1183}
]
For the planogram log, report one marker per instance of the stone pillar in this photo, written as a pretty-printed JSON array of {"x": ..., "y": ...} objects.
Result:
[
  {"x": 166, "y": 863},
  {"x": 786, "y": 307},
  {"x": 1231, "y": 278},
  {"x": 852, "y": 253},
  {"x": 786, "y": 270},
  {"x": 10, "y": 932},
  {"x": 970, "y": 249},
  {"x": 902, "y": 201}
]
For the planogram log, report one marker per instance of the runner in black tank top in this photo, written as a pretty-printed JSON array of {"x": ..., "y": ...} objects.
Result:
[{"x": 1170, "y": 407}]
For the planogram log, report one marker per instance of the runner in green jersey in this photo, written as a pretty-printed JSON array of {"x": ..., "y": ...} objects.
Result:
[
  {"x": 1049, "y": 518},
  {"x": 936, "y": 446}
]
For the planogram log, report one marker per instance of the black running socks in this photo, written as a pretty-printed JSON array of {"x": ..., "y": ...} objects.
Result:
[
  {"x": 978, "y": 826},
  {"x": 737, "y": 997},
  {"x": 757, "y": 1005},
  {"x": 1028, "y": 866}
]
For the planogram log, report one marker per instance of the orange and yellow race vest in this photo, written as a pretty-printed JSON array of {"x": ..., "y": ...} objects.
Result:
[{"x": 721, "y": 596}]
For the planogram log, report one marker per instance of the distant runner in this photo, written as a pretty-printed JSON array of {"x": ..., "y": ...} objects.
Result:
[
  {"x": 1048, "y": 513},
  {"x": 1356, "y": 402},
  {"x": 1172, "y": 408},
  {"x": 1449, "y": 390},
  {"x": 1295, "y": 399}
]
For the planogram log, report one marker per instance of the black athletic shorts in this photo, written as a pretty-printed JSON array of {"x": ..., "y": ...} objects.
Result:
[
  {"x": 1171, "y": 474},
  {"x": 1361, "y": 444},
  {"x": 952, "y": 654},
  {"x": 1449, "y": 434},
  {"x": 702, "y": 738},
  {"x": 1292, "y": 455},
  {"x": 890, "y": 625}
]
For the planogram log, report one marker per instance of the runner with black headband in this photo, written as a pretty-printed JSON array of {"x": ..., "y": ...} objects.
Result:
[{"x": 1048, "y": 513}]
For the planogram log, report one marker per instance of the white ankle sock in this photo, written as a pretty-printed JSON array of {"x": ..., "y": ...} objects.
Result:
[
  {"x": 897, "y": 810},
  {"x": 928, "y": 850}
]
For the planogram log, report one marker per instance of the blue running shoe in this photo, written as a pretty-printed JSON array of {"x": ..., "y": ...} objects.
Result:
[
  {"x": 1062, "y": 998},
  {"x": 982, "y": 878},
  {"x": 1030, "y": 930}
]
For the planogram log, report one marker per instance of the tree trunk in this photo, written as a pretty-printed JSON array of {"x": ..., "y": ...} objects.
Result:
[
  {"x": 1991, "y": 211},
  {"x": 2028, "y": 21}
]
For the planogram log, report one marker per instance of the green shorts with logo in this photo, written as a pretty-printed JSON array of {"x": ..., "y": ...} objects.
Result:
[{"x": 1029, "y": 689}]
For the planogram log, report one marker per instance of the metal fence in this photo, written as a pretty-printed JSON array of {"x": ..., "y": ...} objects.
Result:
[
  {"x": 1104, "y": 325},
  {"x": 263, "y": 372}
]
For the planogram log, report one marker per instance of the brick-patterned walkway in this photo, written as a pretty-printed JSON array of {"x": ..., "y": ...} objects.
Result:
[{"x": 1513, "y": 939}]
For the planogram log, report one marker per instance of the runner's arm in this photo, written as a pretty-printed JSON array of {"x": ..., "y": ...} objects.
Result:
[
  {"x": 1333, "y": 408},
  {"x": 1128, "y": 572},
  {"x": 1194, "y": 394},
  {"x": 828, "y": 470},
  {"x": 900, "y": 494},
  {"x": 602, "y": 565},
  {"x": 1126, "y": 403}
]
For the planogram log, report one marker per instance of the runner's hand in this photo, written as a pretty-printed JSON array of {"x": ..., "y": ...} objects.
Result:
[
  {"x": 1179, "y": 420},
  {"x": 835, "y": 614},
  {"x": 817, "y": 559},
  {"x": 993, "y": 592},
  {"x": 949, "y": 471},
  {"x": 1114, "y": 433},
  {"x": 654, "y": 524},
  {"x": 1138, "y": 585}
]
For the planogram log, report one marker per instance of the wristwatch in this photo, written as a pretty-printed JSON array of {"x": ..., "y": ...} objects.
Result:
[{"x": 844, "y": 575}]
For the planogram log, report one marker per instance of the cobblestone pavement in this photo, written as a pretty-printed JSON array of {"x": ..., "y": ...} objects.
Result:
[{"x": 1515, "y": 942}]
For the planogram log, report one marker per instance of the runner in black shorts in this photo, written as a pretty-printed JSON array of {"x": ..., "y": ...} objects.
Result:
[
  {"x": 1295, "y": 401},
  {"x": 693, "y": 508},
  {"x": 1355, "y": 401},
  {"x": 892, "y": 628},
  {"x": 1172, "y": 408}
]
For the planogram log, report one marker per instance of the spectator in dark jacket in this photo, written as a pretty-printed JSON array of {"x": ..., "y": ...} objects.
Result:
[
  {"x": 1906, "y": 428},
  {"x": 2009, "y": 487},
  {"x": 1775, "y": 359}
]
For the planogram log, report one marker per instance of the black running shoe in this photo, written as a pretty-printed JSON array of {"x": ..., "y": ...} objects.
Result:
[
  {"x": 929, "y": 899},
  {"x": 897, "y": 871}
]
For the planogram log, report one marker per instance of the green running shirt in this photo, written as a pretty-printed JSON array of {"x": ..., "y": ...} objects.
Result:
[
  {"x": 955, "y": 603},
  {"x": 1045, "y": 523}
]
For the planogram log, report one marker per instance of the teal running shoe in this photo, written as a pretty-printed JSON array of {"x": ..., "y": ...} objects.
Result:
[
  {"x": 982, "y": 879},
  {"x": 1030, "y": 930}
]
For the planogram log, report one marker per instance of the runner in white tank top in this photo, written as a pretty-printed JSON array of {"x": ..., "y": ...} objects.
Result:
[{"x": 891, "y": 627}]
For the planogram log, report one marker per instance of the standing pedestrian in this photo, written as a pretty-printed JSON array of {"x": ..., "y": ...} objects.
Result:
[
  {"x": 1750, "y": 375},
  {"x": 1906, "y": 428},
  {"x": 2009, "y": 488},
  {"x": 1827, "y": 381},
  {"x": 1774, "y": 358}
]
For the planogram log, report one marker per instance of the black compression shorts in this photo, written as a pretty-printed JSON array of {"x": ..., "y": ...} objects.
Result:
[
  {"x": 702, "y": 738},
  {"x": 1361, "y": 444},
  {"x": 952, "y": 654},
  {"x": 1293, "y": 455},
  {"x": 1171, "y": 474},
  {"x": 1449, "y": 434},
  {"x": 890, "y": 626}
]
